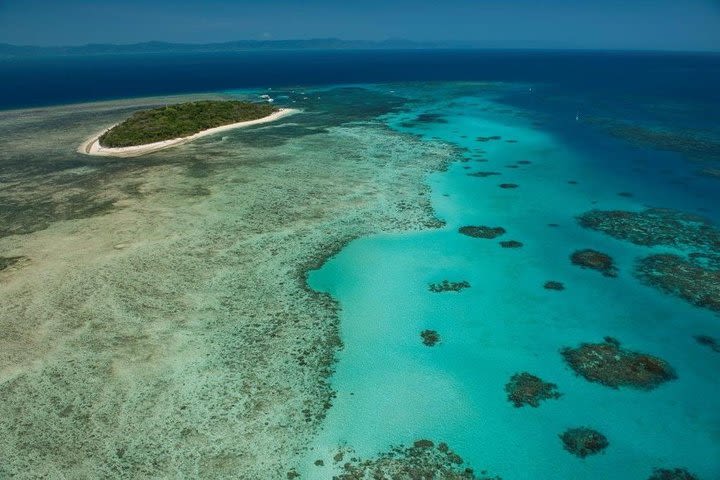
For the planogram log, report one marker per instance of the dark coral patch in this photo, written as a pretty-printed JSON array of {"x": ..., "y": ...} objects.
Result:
[
  {"x": 672, "y": 474},
  {"x": 511, "y": 244},
  {"x": 508, "y": 185},
  {"x": 483, "y": 174},
  {"x": 609, "y": 364},
  {"x": 524, "y": 162},
  {"x": 430, "y": 338},
  {"x": 421, "y": 461},
  {"x": 481, "y": 231},
  {"x": 488, "y": 139},
  {"x": 448, "y": 286},
  {"x": 709, "y": 342},
  {"x": 7, "y": 262},
  {"x": 527, "y": 389},
  {"x": 553, "y": 285},
  {"x": 685, "y": 278},
  {"x": 594, "y": 260},
  {"x": 584, "y": 441},
  {"x": 430, "y": 118}
]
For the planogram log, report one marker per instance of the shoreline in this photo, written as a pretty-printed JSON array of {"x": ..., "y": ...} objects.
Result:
[{"x": 92, "y": 146}]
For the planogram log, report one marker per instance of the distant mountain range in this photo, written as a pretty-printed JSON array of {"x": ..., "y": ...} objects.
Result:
[{"x": 7, "y": 50}]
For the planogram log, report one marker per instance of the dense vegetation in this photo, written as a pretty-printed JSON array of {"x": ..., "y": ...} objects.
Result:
[{"x": 181, "y": 120}]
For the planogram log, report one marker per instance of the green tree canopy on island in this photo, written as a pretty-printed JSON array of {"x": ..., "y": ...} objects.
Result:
[{"x": 181, "y": 120}]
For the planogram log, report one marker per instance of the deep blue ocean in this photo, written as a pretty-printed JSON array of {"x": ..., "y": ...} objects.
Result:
[
  {"x": 41, "y": 81},
  {"x": 630, "y": 142}
]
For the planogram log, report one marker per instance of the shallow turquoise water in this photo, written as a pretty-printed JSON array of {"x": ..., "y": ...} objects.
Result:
[{"x": 391, "y": 389}]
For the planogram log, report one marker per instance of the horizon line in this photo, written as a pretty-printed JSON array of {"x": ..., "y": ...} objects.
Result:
[{"x": 420, "y": 45}]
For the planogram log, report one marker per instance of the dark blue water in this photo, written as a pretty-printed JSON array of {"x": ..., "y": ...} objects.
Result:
[{"x": 59, "y": 80}]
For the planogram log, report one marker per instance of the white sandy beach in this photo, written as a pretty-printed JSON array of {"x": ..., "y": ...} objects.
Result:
[{"x": 92, "y": 145}]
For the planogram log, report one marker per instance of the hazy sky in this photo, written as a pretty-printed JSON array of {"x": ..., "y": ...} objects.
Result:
[{"x": 613, "y": 24}]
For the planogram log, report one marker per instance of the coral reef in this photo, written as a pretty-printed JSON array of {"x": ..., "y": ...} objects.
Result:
[
  {"x": 448, "y": 286},
  {"x": 710, "y": 172},
  {"x": 709, "y": 342},
  {"x": 482, "y": 231},
  {"x": 527, "y": 389},
  {"x": 554, "y": 285},
  {"x": 483, "y": 174},
  {"x": 430, "y": 338},
  {"x": 672, "y": 474},
  {"x": 508, "y": 185},
  {"x": 594, "y": 260},
  {"x": 422, "y": 461},
  {"x": 488, "y": 139},
  {"x": 682, "y": 277},
  {"x": 688, "y": 143},
  {"x": 197, "y": 350},
  {"x": 695, "y": 278},
  {"x": 583, "y": 441},
  {"x": 654, "y": 226},
  {"x": 511, "y": 244},
  {"x": 609, "y": 364}
]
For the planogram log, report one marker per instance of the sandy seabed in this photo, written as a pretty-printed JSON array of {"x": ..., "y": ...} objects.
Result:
[{"x": 159, "y": 325}]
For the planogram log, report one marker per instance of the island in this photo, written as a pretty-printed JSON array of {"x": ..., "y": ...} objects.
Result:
[{"x": 156, "y": 129}]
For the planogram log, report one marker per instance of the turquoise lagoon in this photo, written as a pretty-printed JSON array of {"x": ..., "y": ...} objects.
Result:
[{"x": 391, "y": 389}]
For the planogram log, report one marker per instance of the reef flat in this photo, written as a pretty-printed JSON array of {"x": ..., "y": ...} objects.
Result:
[{"x": 161, "y": 325}]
